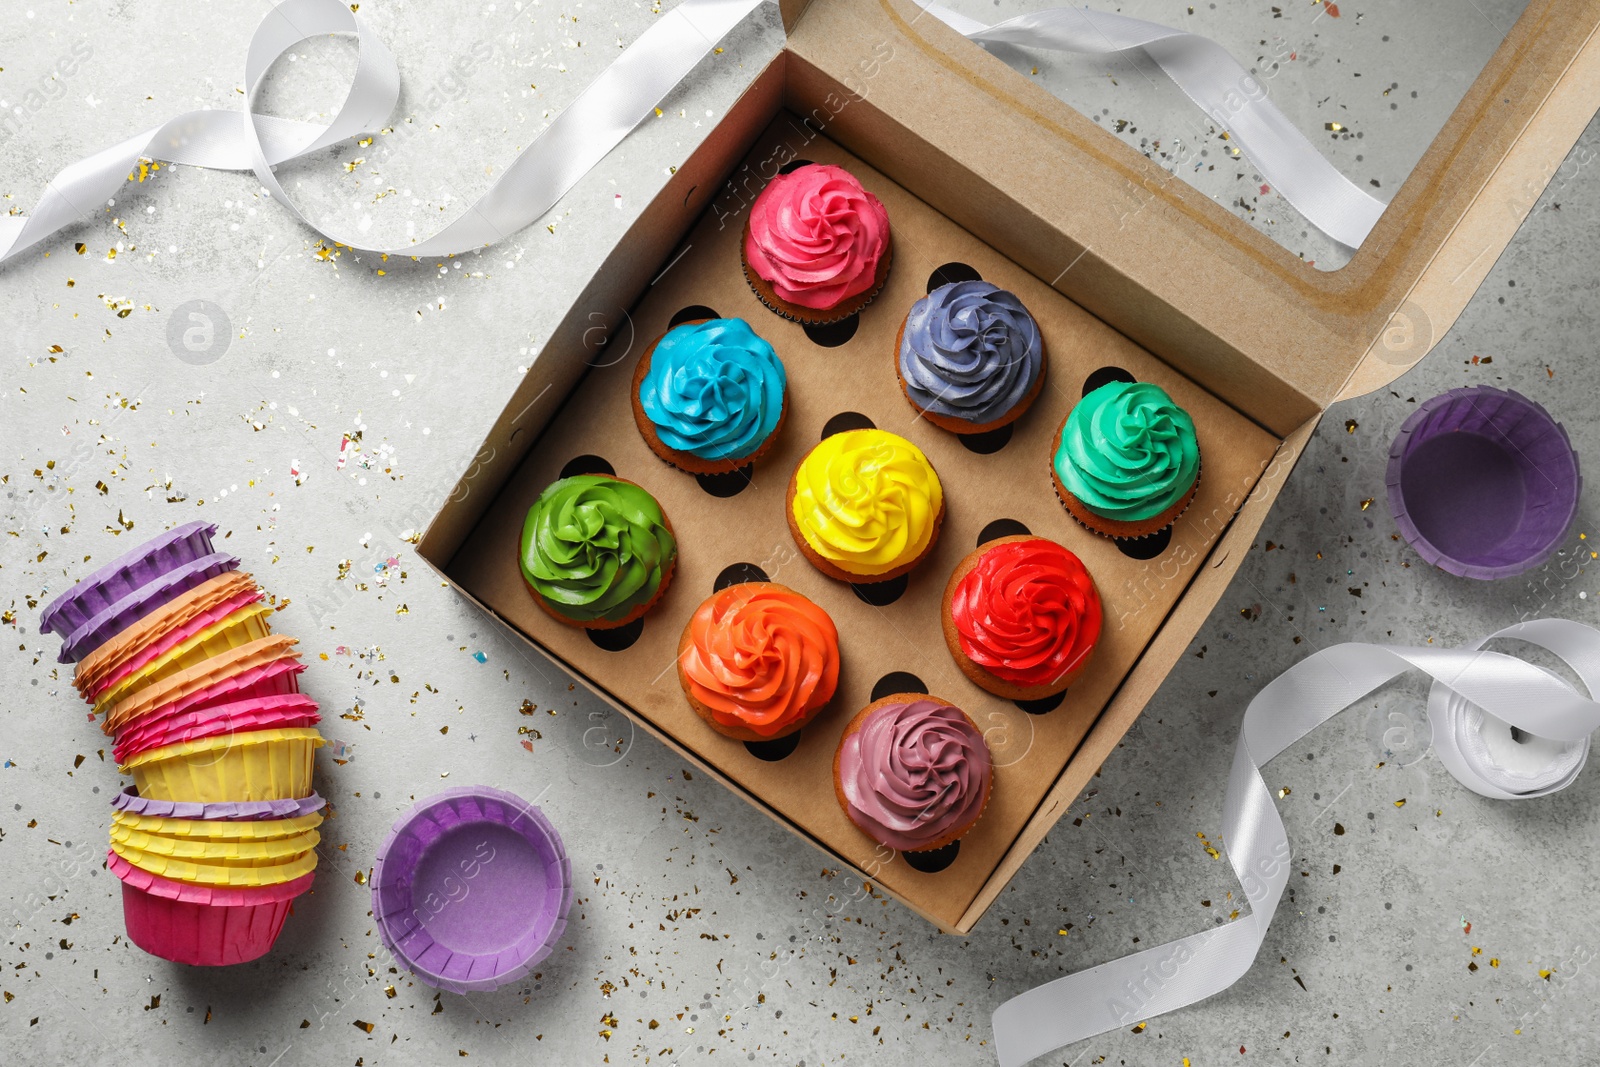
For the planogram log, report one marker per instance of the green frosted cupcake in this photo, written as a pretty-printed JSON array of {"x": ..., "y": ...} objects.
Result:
[
  {"x": 596, "y": 551},
  {"x": 1127, "y": 462}
]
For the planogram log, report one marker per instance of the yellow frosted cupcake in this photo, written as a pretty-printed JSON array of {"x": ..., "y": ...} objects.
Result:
[{"x": 865, "y": 506}]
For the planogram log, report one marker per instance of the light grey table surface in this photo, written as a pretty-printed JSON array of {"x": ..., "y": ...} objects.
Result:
[{"x": 702, "y": 931}]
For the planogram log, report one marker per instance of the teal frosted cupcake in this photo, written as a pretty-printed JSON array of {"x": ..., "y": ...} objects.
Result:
[
  {"x": 597, "y": 552},
  {"x": 710, "y": 396},
  {"x": 1127, "y": 462}
]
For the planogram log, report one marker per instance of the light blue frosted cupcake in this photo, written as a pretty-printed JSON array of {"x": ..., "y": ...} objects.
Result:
[{"x": 710, "y": 396}]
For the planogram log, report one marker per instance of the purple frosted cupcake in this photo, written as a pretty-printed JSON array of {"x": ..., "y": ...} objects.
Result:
[
  {"x": 970, "y": 357},
  {"x": 912, "y": 772}
]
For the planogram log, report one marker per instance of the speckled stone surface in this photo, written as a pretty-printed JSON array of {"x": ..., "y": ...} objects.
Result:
[{"x": 340, "y": 413}]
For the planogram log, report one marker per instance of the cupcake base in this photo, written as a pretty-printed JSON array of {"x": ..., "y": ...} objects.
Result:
[
  {"x": 838, "y": 573},
  {"x": 1114, "y": 528},
  {"x": 734, "y": 731},
  {"x": 815, "y": 316},
  {"x": 688, "y": 461},
  {"x": 962, "y": 426},
  {"x": 638, "y": 611},
  {"x": 978, "y": 675},
  {"x": 955, "y": 833}
]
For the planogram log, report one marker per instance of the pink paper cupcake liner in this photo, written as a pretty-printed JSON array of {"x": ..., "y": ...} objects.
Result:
[
  {"x": 150, "y": 653},
  {"x": 204, "y": 926},
  {"x": 274, "y": 679},
  {"x": 123, "y": 612},
  {"x": 129, "y": 800},
  {"x": 109, "y": 584},
  {"x": 471, "y": 888},
  {"x": 262, "y": 713}
]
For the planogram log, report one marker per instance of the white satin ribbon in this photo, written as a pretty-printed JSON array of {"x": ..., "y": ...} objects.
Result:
[
  {"x": 621, "y": 97},
  {"x": 1476, "y": 700},
  {"x": 1233, "y": 98},
  {"x": 585, "y": 131}
]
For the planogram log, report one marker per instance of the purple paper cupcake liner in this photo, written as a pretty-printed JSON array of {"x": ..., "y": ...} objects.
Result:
[
  {"x": 471, "y": 888},
  {"x": 127, "y": 572},
  {"x": 130, "y": 608},
  {"x": 130, "y": 801},
  {"x": 1483, "y": 482}
]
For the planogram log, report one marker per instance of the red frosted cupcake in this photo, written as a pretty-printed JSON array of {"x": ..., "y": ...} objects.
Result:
[
  {"x": 1021, "y": 617},
  {"x": 816, "y": 245}
]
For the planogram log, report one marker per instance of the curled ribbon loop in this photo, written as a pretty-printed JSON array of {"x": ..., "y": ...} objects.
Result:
[
  {"x": 1233, "y": 98},
  {"x": 623, "y": 95},
  {"x": 1504, "y": 727},
  {"x": 585, "y": 131}
]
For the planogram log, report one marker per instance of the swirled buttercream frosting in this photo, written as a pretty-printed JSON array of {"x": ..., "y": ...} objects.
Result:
[
  {"x": 816, "y": 236},
  {"x": 913, "y": 773},
  {"x": 594, "y": 548},
  {"x": 1027, "y": 612},
  {"x": 970, "y": 351},
  {"x": 867, "y": 501},
  {"x": 761, "y": 657},
  {"x": 714, "y": 389},
  {"x": 1127, "y": 452}
]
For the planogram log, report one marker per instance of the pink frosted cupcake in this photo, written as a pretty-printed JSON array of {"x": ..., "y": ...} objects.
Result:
[
  {"x": 816, "y": 245},
  {"x": 913, "y": 772}
]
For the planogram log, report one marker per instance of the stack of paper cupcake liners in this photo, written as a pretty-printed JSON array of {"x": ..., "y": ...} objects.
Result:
[{"x": 218, "y": 834}]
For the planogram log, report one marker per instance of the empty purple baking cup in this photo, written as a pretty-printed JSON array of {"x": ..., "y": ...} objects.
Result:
[
  {"x": 136, "y": 604},
  {"x": 1483, "y": 483},
  {"x": 92, "y": 595},
  {"x": 131, "y": 802},
  {"x": 471, "y": 888}
]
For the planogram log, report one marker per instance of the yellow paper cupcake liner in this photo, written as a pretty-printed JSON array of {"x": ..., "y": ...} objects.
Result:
[
  {"x": 264, "y": 853},
  {"x": 217, "y": 829},
  {"x": 238, "y": 628},
  {"x": 255, "y": 765},
  {"x": 212, "y": 874}
]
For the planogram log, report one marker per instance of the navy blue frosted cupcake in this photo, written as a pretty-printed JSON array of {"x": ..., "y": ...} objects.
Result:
[
  {"x": 710, "y": 396},
  {"x": 970, "y": 357}
]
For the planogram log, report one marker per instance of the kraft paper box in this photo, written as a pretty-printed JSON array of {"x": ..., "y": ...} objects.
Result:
[{"x": 1163, "y": 285}]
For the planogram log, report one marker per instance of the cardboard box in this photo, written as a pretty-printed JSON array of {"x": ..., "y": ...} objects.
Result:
[{"x": 1132, "y": 270}]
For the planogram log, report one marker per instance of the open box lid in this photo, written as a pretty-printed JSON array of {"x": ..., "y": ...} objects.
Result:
[{"x": 1162, "y": 262}]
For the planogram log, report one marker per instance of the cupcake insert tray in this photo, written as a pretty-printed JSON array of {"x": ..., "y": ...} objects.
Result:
[{"x": 891, "y": 639}]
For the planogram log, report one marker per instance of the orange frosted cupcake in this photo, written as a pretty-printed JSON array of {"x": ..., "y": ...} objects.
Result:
[{"x": 758, "y": 661}]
